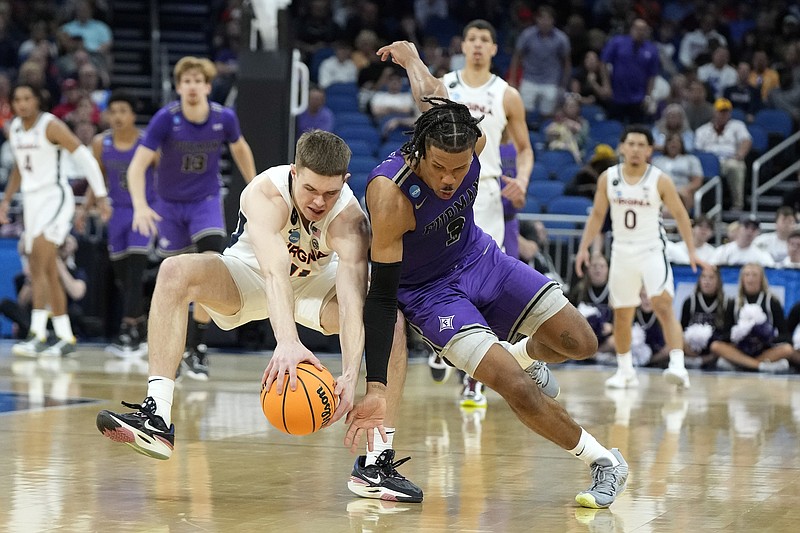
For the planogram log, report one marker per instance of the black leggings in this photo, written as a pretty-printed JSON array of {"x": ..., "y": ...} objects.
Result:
[{"x": 128, "y": 272}]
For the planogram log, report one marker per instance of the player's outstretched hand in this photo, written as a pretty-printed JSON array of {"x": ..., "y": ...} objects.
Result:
[
  {"x": 345, "y": 389},
  {"x": 144, "y": 221},
  {"x": 402, "y": 52},
  {"x": 367, "y": 414},
  {"x": 514, "y": 192},
  {"x": 285, "y": 360}
]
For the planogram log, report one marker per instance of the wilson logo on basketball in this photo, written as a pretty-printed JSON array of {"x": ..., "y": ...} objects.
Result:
[{"x": 326, "y": 403}]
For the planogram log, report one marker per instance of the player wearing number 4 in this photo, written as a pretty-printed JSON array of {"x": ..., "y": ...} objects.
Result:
[
  {"x": 635, "y": 192},
  {"x": 37, "y": 139},
  {"x": 298, "y": 255},
  {"x": 188, "y": 209}
]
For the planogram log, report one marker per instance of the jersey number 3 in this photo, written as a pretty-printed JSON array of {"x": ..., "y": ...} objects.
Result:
[{"x": 454, "y": 230}]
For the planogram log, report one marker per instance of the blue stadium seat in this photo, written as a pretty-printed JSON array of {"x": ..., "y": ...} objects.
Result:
[
  {"x": 342, "y": 103},
  {"x": 593, "y": 113},
  {"x": 775, "y": 121},
  {"x": 710, "y": 163},
  {"x": 362, "y": 165},
  {"x": 760, "y": 138},
  {"x": 348, "y": 89},
  {"x": 316, "y": 60},
  {"x": 553, "y": 160},
  {"x": 544, "y": 191},
  {"x": 738, "y": 114},
  {"x": 539, "y": 173},
  {"x": 606, "y": 131},
  {"x": 565, "y": 173},
  {"x": 366, "y": 132},
  {"x": 569, "y": 205},
  {"x": 532, "y": 205},
  {"x": 349, "y": 118},
  {"x": 361, "y": 147},
  {"x": 358, "y": 184},
  {"x": 443, "y": 29}
]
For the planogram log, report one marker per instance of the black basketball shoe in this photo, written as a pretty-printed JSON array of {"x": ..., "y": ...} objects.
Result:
[
  {"x": 382, "y": 480},
  {"x": 195, "y": 363},
  {"x": 143, "y": 430}
]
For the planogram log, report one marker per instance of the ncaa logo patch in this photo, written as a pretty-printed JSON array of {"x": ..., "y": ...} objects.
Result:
[
  {"x": 446, "y": 322},
  {"x": 415, "y": 191},
  {"x": 294, "y": 236}
]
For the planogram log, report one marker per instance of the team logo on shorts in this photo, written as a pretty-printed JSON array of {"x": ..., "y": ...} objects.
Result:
[
  {"x": 294, "y": 236},
  {"x": 446, "y": 322},
  {"x": 414, "y": 190}
]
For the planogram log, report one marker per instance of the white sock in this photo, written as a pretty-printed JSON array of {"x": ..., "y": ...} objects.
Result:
[
  {"x": 589, "y": 450},
  {"x": 39, "y": 322},
  {"x": 625, "y": 363},
  {"x": 161, "y": 389},
  {"x": 63, "y": 328},
  {"x": 379, "y": 445},
  {"x": 676, "y": 358},
  {"x": 519, "y": 351}
]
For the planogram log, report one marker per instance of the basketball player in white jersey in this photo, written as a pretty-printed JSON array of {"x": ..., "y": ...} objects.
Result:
[
  {"x": 490, "y": 96},
  {"x": 37, "y": 140},
  {"x": 635, "y": 192},
  {"x": 298, "y": 255}
]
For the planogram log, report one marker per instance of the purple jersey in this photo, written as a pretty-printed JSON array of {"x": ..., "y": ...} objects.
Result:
[
  {"x": 445, "y": 235},
  {"x": 190, "y": 153},
  {"x": 115, "y": 162}
]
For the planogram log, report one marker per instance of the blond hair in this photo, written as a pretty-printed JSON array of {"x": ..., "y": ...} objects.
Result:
[{"x": 185, "y": 64}]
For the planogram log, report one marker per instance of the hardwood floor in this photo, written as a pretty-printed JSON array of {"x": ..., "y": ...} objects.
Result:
[{"x": 722, "y": 456}]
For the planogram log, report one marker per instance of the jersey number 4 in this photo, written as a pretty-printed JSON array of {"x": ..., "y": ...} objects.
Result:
[{"x": 28, "y": 164}]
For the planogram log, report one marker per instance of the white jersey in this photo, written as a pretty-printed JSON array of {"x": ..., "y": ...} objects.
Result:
[
  {"x": 37, "y": 158},
  {"x": 635, "y": 211},
  {"x": 486, "y": 101},
  {"x": 308, "y": 246}
]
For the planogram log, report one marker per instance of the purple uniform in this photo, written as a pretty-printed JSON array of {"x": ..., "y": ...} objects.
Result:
[
  {"x": 188, "y": 183},
  {"x": 454, "y": 277},
  {"x": 122, "y": 240}
]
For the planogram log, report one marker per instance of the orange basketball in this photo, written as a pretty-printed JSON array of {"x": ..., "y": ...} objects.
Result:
[{"x": 305, "y": 410}]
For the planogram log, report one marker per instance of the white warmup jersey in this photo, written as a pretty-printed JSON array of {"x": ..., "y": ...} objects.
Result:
[
  {"x": 485, "y": 101},
  {"x": 308, "y": 247},
  {"x": 635, "y": 212}
]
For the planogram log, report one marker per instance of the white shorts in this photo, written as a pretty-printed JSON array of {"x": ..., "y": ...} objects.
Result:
[
  {"x": 629, "y": 272},
  {"x": 488, "y": 210},
  {"x": 49, "y": 212},
  {"x": 539, "y": 96},
  {"x": 311, "y": 294}
]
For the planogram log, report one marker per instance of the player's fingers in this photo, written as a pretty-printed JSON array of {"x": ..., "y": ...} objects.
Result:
[
  {"x": 316, "y": 362},
  {"x": 371, "y": 439},
  {"x": 382, "y": 431},
  {"x": 292, "y": 377}
]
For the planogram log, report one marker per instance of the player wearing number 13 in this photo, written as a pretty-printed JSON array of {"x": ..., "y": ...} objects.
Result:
[
  {"x": 188, "y": 208},
  {"x": 635, "y": 192}
]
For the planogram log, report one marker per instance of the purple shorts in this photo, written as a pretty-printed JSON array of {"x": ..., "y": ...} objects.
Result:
[
  {"x": 122, "y": 240},
  {"x": 184, "y": 223},
  {"x": 494, "y": 291}
]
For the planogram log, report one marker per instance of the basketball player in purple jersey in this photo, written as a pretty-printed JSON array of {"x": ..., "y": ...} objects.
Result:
[
  {"x": 127, "y": 247},
  {"x": 455, "y": 285},
  {"x": 187, "y": 213}
]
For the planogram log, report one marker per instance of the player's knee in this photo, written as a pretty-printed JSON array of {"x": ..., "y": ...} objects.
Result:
[
  {"x": 520, "y": 392},
  {"x": 585, "y": 341},
  {"x": 173, "y": 274}
]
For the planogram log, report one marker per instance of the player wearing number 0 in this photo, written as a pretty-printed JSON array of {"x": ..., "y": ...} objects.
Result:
[
  {"x": 298, "y": 255},
  {"x": 635, "y": 191},
  {"x": 454, "y": 284},
  {"x": 187, "y": 213},
  {"x": 37, "y": 139}
]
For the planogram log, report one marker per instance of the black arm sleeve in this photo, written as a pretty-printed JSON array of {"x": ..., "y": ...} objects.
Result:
[
  {"x": 685, "y": 315},
  {"x": 380, "y": 315}
]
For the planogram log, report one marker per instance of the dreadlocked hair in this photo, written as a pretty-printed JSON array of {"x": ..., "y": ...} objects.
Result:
[{"x": 447, "y": 125}]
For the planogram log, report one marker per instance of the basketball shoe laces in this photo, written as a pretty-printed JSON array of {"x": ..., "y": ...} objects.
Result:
[
  {"x": 386, "y": 465},
  {"x": 147, "y": 409},
  {"x": 605, "y": 480},
  {"x": 538, "y": 371}
]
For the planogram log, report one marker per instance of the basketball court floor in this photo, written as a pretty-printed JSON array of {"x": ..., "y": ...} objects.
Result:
[{"x": 723, "y": 456}]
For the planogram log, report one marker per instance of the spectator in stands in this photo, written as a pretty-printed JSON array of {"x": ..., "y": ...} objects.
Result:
[
  {"x": 226, "y": 59},
  {"x": 634, "y": 64},
  {"x": 428, "y": 9},
  {"x": 40, "y": 36},
  {"x": 703, "y": 318},
  {"x": 667, "y": 43},
  {"x": 792, "y": 259},
  {"x": 372, "y": 72},
  {"x": 590, "y": 296},
  {"x": 368, "y": 17},
  {"x": 741, "y": 250},
  {"x": 543, "y": 51},
  {"x": 8, "y": 46},
  {"x": 685, "y": 169},
  {"x": 392, "y": 107},
  {"x": 730, "y": 141},
  {"x": 317, "y": 116},
  {"x": 775, "y": 242},
  {"x": 698, "y": 42},
  {"x": 590, "y": 81},
  {"x": 698, "y": 109},
  {"x": 90, "y": 84},
  {"x": 756, "y": 330},
  {"x": 339, "y": 68},
  {"x": 763, "y": 78},
  {"x": 788, "y": 98},
  {"x": 568, "y": 130},
  {"x": 33, "y": 73},
  {"x": 742, "y": 95},
  {"x": 70, "y": 100},
  {"x": 648, "y": 346},
  {"x": 315, "y": 28},
  {"x": 702, "y": 231},
  {"x": 678, "y": 91},
  {"x": 673, "y": 121},
  {"x": 584, "y": 183},
  {"x": 95, "y": 34},
  {"x": 718, "y": 74},
  {"x": 6, "y": 113}
]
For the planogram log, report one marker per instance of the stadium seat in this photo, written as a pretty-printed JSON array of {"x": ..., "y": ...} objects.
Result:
[
  {"x": 606, "y": 131},
  {"x": 342, "y": 103},
  {"x": 569, "y": 205},
  {"x": 544, "y": 191},
  {"x": 532, "y": 205},
  {"x": 775, "y": 121},
  {"x": 347, "y": 89},
  {"x": 565, "y": 173},
  {"x": 361, "y": 147},
  {"x": 358, "y": 131},
  {"x": 349, "y": 118},
  {"x": 553, "y": 160},
  {"x": 760, "y": 138},
  {"x": 593, "y": 113},
  {"x": 710, "y": 163},
  {"x": 316, "y": 60},
  {"x": 361, "y": 165}
]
